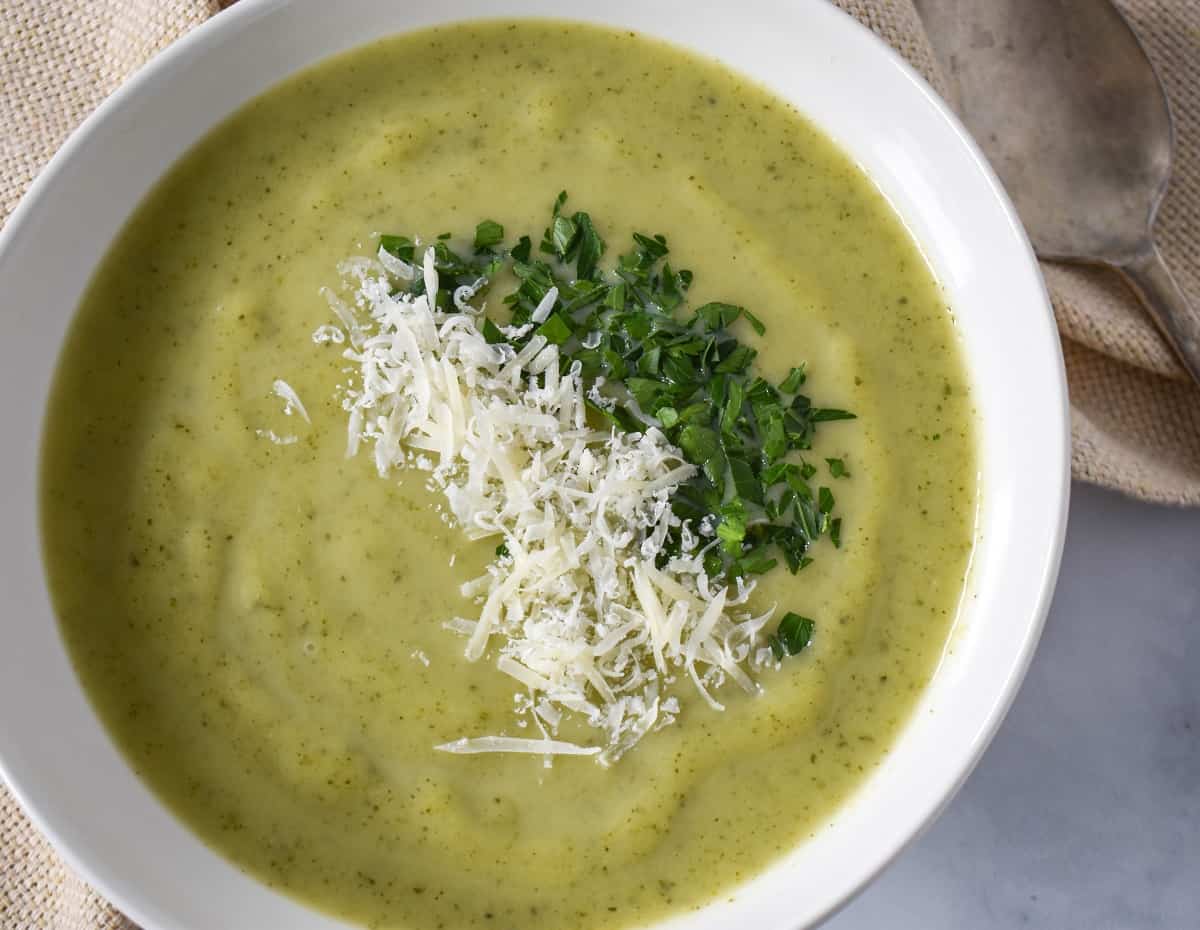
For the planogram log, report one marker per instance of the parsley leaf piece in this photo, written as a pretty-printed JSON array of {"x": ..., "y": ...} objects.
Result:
[
  {"x": 536, "y": 280},
  {"x": 732, "y": 528},
  {"x": 671, "y": 288},
  {"x": 693, "y": 502},
  {"x": 797, "y": 484},
  {"x": 667, "y": 416},
  {"x": 837, "y": 468},
  {"x": 487, "y": 234},
  {"x": 654, "y": 247},
  {"x": 678, "y": 369},
  {"x": 738, "y": 360},
  {"x": 714, "y": 470},
  {"x": 793, "y": 544},
  {"x": 769, "y": 416},
  {"x": 699, "y": 443},
  {"x": 560, "y": 237},
  {"x": 794, "y": 381},
  {"x": 775, "y": 473},
  {"x": 400, "y": 246},
  {"x": 613, "y": 364},
  {"x": 792, "y": 636},
  {"x": 744, "y": 480},
  {"x": 491, "y": 332},
  {"x": 717, "y": 316},
  {"x": 590, "y": 247},
  {"x": 694, "y": 413},
  {"x": 522, "y": 250},
  {"x": 702, "y": 446},
  {"x": 556, "y": 329},
  {"x": 650, "y": 361},
  {"x": 648, "y": 392},
  {"x": 618, "y": 416},
  {"x": 828, "y": 414},
  {"x": 581, "y": 294},
  {"x": 754, "y": 562},
  {"x": 732, "y": 409},
  {"x": 615, "y": 299},
  {"x": 807, "y": 519}
]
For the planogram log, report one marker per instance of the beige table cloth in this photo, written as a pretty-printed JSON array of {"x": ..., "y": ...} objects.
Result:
[{"x": 1136, "y": 418}]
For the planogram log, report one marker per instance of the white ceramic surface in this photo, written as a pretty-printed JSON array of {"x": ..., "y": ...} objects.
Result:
[{"x": 53, "y": 751}]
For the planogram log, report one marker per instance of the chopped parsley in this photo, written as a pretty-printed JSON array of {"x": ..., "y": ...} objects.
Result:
[
  {"x": 792, "y": 636},
  {"x": 400, "y": 246},
  {"x": 488, "y": 234},
  {"x": 652, "y": 363},
  {"x": 837, "y": 468}
]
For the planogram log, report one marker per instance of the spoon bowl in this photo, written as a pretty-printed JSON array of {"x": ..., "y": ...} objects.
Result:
[{"x": 1065, "y": 102}]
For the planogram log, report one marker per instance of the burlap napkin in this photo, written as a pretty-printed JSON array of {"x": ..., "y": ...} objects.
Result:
[{"x": 1136, "y": 418}]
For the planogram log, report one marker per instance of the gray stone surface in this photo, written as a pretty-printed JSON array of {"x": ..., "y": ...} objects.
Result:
[{"x": 1085, "y": 812}]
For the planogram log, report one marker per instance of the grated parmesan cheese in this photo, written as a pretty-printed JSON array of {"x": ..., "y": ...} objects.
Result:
[
  {"x": 577, "y": 613},
  {"x": 540, "y": 747},
  {"x": 291, "y": 400},
  {"x": 274, "y": 437}
]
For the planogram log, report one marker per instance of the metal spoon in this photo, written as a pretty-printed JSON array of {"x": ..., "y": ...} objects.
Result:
[{"x": 1064, "y": 101}]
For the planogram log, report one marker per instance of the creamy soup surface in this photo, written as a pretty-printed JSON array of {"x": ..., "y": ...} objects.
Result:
[{"x": 251, "y": 619}]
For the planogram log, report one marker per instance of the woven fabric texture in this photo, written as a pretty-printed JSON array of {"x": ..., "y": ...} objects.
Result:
[
  {"x": 58, "y": 60},
  {"x": 1136, "y": 417}
]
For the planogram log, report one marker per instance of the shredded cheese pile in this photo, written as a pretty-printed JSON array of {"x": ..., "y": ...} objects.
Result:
[{"x": 576, "y": 613}]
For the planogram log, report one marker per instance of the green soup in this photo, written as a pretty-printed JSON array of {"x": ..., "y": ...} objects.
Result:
[{"x": 253, "y": 621}]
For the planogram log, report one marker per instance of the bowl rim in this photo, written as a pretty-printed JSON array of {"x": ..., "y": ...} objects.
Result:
[{"x": 125, "y": 894}]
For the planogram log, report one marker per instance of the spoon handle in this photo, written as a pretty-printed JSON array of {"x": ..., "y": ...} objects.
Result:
[{"x": 1168, "y": 306}]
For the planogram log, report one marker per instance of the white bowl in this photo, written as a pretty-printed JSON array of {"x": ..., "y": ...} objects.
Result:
[{"x": 57, "y": 757}]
